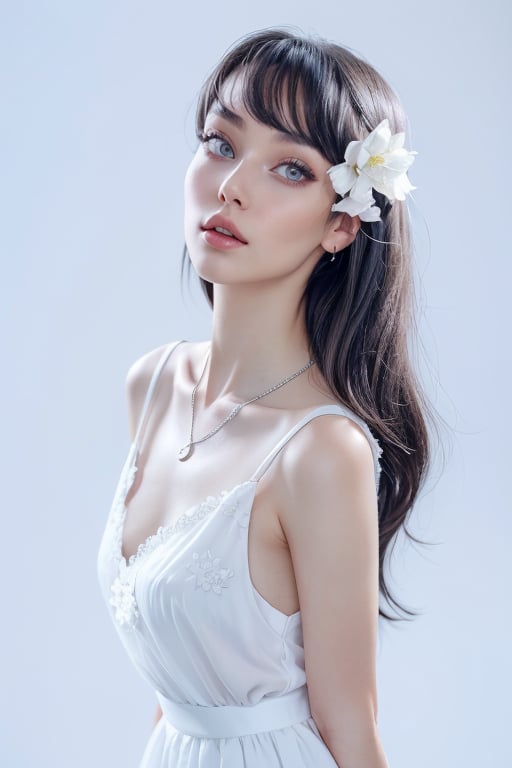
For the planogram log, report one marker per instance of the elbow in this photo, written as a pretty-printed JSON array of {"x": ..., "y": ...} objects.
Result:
[
  {"x": 353, "y": 742},
  {"x": 348, "y": 714},
  {"x": 350, "y": 729}
]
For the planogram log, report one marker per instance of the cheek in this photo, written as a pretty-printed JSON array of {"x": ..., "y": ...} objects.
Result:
[
  {"x": 191, "y": 203},
  {"x": 192, "y": 184},
  {"x": 299, "y": 218},
  {"x": 202, "y": 179},
  {"x": 197, "y": 189}
]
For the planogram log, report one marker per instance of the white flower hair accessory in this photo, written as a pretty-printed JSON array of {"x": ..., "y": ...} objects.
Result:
[{"x": 378, "y": 162}]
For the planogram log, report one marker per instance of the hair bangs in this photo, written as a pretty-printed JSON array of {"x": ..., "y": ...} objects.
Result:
[{"x": 279, "y": 82}]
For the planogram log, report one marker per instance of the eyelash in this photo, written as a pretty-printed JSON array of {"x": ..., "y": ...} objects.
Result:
[
  {"x": 205, "y": 137},
  {"x": 308, "y": 175}
]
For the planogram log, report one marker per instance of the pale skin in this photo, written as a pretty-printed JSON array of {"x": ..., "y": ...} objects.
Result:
[{"x": 313, "y": 536}]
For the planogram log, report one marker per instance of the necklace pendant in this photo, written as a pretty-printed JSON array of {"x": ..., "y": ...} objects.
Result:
[{"x": 185, "y": 453}]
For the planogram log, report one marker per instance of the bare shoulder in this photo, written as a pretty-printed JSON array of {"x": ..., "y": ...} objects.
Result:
[
  {"x": 326, "y": 485},
  {"x": 139, "y": 377},
  {"x": 330, "y": 452}
]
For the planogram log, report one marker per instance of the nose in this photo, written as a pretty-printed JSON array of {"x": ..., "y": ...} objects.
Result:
[{"x": 232, "y": 188}]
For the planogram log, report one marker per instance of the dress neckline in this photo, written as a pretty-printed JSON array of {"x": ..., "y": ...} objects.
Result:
[{"x": 195, "y": 512}]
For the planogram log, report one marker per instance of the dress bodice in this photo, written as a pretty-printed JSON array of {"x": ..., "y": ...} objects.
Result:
[{"x": 184, "y": 605}]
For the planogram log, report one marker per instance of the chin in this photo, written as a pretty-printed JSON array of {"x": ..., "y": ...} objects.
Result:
[
  {"x": 204, "y": 268},
  {"x": 214, "y": 266}
]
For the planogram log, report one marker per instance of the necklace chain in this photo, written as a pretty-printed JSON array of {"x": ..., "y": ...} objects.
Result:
[{"x": 187, "y": 449}]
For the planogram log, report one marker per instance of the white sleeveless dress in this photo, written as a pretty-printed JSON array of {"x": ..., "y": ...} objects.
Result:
[{"x": 227, "y": 667}]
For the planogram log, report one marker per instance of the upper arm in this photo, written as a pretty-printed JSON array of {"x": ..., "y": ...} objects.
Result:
[
  {"x": 138, "y": 379},
  {"x": 331, "y": 524}
]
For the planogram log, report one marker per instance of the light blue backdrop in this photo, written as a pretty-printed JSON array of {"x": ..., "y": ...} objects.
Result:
[{"x": 95, "y": 135}]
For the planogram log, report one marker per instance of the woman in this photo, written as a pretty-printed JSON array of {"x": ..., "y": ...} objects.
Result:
[{"x": 253, "y": 611}]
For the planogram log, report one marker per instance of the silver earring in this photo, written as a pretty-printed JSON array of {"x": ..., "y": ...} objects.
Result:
[{"x": 333, "y": 254}]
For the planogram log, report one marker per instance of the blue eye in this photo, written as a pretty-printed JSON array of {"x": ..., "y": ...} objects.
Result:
[
  {"x": 291, "y": 172},
  {"x": 294, "y": 171},
  {"x": 217, "y": 145}
]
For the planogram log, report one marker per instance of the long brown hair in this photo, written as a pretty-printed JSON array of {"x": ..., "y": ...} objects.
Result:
[{"x": 359, "y": 308}]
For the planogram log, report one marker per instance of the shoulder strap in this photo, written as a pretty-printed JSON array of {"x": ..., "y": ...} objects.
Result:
[
  {"x": 149, "y": 394},
  {"x": 324, "y": 410}
]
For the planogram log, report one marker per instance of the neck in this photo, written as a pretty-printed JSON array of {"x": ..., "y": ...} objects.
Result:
[{"x": 258, "y": 338}]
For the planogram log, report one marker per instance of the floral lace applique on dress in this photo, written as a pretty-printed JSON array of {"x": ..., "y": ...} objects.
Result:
[
  {"x": 232, "y": 510},
  {"x": 208, "y": 576},
  {"x": 123, "y": 586},
  {"x": 118, "y": 507},
  {"x": 123, "y": 596}
]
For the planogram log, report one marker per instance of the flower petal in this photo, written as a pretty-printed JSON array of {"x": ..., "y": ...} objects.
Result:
[
  {"x": 381, "y": 179},
  {"x": 396, "y": 142},
  {"x": 362, "y": 189},
  {"x": 387, "y": 181},
  {"x": 371, "y": 214},
  {"x": 352, "y": 152},
  {"x": 342, "y": 177},
  {"x": 362, "y": 157},
  {"x": 347, "y": 205},
  {"x": 400, "y": 160},
  {"x": 401, "y": 187},
  {"x": 378, "y": 140},
  {"x": 356, "y": 207}
]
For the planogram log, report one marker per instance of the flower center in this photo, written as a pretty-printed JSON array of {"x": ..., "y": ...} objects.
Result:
[{"x": 375, "y": 160}]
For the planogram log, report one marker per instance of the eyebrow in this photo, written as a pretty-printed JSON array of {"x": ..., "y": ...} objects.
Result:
[
  {"x": 228, "y": 114},
  {"x": 237, "y": 120}
]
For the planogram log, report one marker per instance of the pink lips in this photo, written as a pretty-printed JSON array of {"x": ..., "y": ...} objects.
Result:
[{"x": 219, "y": 238}]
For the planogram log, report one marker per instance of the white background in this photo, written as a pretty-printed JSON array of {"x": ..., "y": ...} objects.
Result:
[{"x": 96, "y": 131}]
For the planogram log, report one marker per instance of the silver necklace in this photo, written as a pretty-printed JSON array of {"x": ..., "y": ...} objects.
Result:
[{"x": 187, "y": 449}]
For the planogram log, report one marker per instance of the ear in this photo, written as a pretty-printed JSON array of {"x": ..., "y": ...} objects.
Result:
[{"x": 340, "y": 232}]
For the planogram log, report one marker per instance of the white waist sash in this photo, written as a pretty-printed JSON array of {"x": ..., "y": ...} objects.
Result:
[{"x": 221, "y": 722}]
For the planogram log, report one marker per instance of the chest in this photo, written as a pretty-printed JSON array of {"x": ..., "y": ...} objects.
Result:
[{"x": 150, "y": 505}]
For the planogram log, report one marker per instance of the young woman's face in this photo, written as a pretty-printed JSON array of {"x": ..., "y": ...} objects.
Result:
[{"x": 265, "y": 187}]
